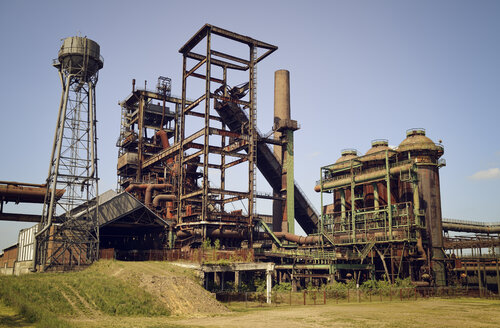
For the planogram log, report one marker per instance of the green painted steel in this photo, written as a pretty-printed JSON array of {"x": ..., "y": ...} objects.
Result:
[
  {"x": 270, "y": 232},
  {"x": 290, "y": 184},
  {"x": 389, "y": 200}
]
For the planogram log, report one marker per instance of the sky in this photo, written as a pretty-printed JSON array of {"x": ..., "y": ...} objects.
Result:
[{"x": 359, "y": 71}]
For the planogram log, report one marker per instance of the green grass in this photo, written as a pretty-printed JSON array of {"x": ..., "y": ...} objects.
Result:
[
  {"x": 48, "y": 299},
  {"x": 11, "y": 318}
]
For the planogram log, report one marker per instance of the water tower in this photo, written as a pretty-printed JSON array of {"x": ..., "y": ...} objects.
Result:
[{"x": 68, "y": 234}]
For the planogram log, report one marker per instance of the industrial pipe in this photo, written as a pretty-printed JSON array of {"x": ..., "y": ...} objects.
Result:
[
  {"x": 159, "y": 198},
  {"x": 470, "y": 227},
  {"x": 15, "y": 193},
  {"x": 420, "y": 247},
  {"x": 298, "y": 239},
  {"x": 361, "y": 178},
  {"x": 216, "y": 233},
  {"x": 149, "y": 190},
  {"x": 164, "y": 138}
]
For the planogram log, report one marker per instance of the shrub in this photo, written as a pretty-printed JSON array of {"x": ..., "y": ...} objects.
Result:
[{"x": 283, "y": 287}]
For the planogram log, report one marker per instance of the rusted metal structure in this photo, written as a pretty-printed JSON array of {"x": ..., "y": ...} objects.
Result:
[
  {"x": 73, "y": 164},
  {"x": 218, "y": 147},
  {"x": 179, "y": 160},
  {"x": 167, "y": 166},
  {"x": 21, "y": 192},
  {"x": 386, "y": 205},
  {"x": 473, "y": 250}
]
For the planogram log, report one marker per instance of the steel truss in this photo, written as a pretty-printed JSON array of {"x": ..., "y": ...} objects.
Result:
[
  {"x": 74, "y": 240},
  {"x": 235, "y": 147}
]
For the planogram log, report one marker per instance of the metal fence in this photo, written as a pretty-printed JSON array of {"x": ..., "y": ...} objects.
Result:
[{"x": 323, "y": 297}]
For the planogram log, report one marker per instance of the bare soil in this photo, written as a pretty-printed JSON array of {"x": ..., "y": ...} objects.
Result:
[
  {"x": 175, "y": 287},
  {"x": 429, "y": 313}
]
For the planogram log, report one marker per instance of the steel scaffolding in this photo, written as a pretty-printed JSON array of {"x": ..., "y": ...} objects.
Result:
[{"x": 235, "y": 147}]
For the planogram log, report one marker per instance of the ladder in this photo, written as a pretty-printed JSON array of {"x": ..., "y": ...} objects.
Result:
[{"x": 253, "y": 131}]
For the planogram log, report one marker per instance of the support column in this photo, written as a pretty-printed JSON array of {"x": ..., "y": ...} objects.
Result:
[
  {"x": 269, "y": 285},
  {"x": 376, "y": 200},
  {"x": 392, "y": 264},
  {"x": 216, "y": 279},
  {"x": 479, "y": 281},
  {"x": 290, "y": 184},
  {"x": 237, "y": 282},
  {"x": 342, "y": 204},
  {"x": 389, "y": 200},
  {"x": 498, "y": 278}
]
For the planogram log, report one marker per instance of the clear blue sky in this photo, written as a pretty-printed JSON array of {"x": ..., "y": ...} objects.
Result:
[{"x": 360, "y": 70}]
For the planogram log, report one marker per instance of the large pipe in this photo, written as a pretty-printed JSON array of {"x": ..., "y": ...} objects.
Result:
[
  {"x": 471, "y": 227},
  {"x": 216, "y": 233},
  {"x": 14, "y": 193},
  {"x": 149, "y": 190},
  {"x": 420, "y": 247},
  {"x": 164, "y": 138},
  {"x": 159, "y": 198},
  {"x": 362, "y": 178},
  {"x": 298, "y": 239}
]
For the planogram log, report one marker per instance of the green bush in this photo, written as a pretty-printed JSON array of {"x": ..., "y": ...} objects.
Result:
[
  {"x": 336, "y": 290},
  {"x": 403, "y": 283},
  {"x": 283, "y": 287}
]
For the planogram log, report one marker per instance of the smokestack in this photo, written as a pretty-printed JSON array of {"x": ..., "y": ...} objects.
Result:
[
  {"x": 281, "y": 112},
  {"x": 281, "y": 104}
]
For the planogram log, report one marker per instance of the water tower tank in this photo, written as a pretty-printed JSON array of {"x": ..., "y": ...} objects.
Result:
[{"x": 80, "y": 56}]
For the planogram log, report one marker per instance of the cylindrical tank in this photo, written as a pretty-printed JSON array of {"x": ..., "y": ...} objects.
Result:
[
  {"x": 343, "y": 162},
  {"x": 426, "y": 154},
  {"x": 80, "y": 56},
  {"x": 375, "y": 156},
  {"x": 377, "y": 152}
]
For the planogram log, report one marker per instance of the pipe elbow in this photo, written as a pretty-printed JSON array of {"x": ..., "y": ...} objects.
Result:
[
  {"x": 159, "y": 198},
  {"x": 164, "y": 138}
]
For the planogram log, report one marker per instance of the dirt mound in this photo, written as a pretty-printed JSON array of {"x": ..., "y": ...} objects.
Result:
[
  {"x": 181, "y": 295},
  {"x": 174, "y": 286}
]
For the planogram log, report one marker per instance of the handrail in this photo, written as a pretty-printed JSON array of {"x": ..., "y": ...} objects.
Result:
[{"x": 472, "y": 223}]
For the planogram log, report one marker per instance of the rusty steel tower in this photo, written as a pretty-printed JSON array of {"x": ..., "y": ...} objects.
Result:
[{"x": 68, "y": 232}]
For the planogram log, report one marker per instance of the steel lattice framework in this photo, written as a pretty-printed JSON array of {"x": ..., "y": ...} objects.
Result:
[
  {"x": 235, "y": 147},
  {"x": 68, "y": 235}
]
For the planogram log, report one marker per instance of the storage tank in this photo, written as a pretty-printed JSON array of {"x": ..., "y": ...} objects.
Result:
[
  {"x": 344, "y": 162},
  {"x": 377, "y": 152},
  {"x": 375, "y": 156},
  {"x": 80, "y": 56},
  {"x": 426, "y": 153}
]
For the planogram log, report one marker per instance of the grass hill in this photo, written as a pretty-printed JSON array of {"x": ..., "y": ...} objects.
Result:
[{"x": 107, "y": 288}]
